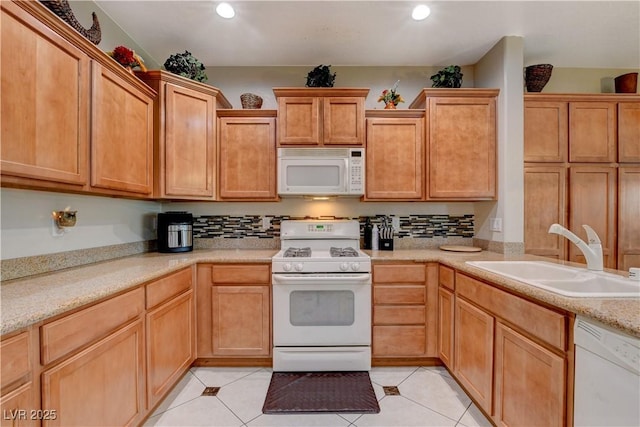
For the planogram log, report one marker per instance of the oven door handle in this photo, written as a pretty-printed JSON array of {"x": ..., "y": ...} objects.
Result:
[{"x": 346, "y": 279}]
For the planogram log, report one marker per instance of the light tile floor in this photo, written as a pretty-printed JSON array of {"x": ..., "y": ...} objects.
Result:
[{"x": 428, "y": 397}]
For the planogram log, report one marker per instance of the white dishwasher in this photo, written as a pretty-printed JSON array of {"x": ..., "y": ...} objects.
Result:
[{"x": 607, "y": 377}]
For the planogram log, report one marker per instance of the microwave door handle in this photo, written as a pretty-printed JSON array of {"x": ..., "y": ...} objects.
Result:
[{"x": 347, "y": 172}]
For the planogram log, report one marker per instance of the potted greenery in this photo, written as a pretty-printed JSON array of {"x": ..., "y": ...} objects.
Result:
[
  {"x": 449, "y": 77},
  {"x": 186, "y": 65},
  {"x": 321, "y": 77}
]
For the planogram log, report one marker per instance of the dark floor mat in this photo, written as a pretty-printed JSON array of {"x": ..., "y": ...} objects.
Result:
[{"x": 312, "y": 392}]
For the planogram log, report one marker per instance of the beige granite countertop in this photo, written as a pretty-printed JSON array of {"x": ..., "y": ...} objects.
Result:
[{"x": 28, "y": 301}]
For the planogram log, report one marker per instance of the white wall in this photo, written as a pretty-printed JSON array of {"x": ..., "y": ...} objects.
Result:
[
  {"x": 234, "y": 81},
  {"x": 501, "y": 67},
  {"x": 27, "y": 224}
]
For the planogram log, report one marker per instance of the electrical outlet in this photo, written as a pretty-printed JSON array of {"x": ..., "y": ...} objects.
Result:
[
  {"x": 495, "y": 224},
  {"x": 266, "y": 222},
  {"x": 395, "y": 223}
]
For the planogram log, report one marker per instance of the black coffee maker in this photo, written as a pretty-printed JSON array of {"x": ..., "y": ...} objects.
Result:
[{"x": 175, "y": 232}]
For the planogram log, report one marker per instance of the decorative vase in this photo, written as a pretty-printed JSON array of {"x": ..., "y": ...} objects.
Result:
[
  {"x": 389, "y": 106},
  {"x": 627, "y": 83},
  {"x": 537, "y": 76}
]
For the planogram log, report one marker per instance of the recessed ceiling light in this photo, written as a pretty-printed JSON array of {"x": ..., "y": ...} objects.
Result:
[
  {"x": 225, "y": 10},
  {"x": 420, "y": 12}
]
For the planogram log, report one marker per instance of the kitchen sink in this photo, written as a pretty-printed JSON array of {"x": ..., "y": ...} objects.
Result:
[{"x": 564, "y": 280}]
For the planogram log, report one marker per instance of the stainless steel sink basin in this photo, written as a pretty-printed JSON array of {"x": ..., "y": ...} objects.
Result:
[{"x": 562, "y": 279}]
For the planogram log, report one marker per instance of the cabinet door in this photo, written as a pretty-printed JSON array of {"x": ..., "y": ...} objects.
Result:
[
  {"x": 628, "y": 132},
  {"x": 343, "y": 120},
  {"x": 628, "y": 224},
  {"x": 171, "y": 345},
  {"x": 473, "y": 363},
  {"x": 121, "y": 134},
  {"x": 395, "y": 159},
  {"x": 399, "y": 341},
  {"x": 44, "y": 103},
  {"x": 544, "y": 204},
  {"x": 299, "y": 120},
  {"x": 17, "y": 407},
  {"x": 188, "y": 150},
  {"x": 592, "y": 131},
  {"x": 546, "y": 131},
  {"x": 101, "y": 385},
  {"x": 592, "y": 201},
  {"x": 241, "y": 320},
  {"x": 529, "y": 382},
  {"x": 461, "y": 143},
  {"x": 446, "y": 310},
  {"x": 247, "y": 158}
]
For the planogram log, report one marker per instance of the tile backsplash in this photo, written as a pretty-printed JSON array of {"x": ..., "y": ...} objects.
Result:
[{"x": 251, "y": 226}]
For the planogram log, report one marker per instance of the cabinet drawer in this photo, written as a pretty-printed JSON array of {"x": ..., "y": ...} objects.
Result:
[
  {"x": 446, "y": 277},
  {"x": 15, "y": 358},
  {"x": 167, "y": 287},
  {"x": 399, "y": 295},
  {"x": 241, "y": 273},
  {"x": 69, "y": 333},
  {"x": 399, "y": 273},
  {"x": 398, "y": 315},
  {"x": 541, "y": 322},
  {"x": 401, "y": 341}
]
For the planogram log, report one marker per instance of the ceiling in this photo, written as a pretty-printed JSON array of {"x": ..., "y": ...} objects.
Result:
[{"x": 583, "y": 34}]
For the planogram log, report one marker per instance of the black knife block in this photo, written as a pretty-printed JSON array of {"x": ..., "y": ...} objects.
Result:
[{"x": 385, "y": 244}]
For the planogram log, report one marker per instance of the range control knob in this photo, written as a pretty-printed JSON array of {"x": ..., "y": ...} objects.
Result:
[
  {"x": 298, "y": 266},
  {"x": 355, "y": 266},
  {"x": 344, "y": 266},
  {"x": 286, "y": 267}
]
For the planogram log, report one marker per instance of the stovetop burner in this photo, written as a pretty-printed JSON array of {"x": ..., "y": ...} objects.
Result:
[
  {"x": 298, "y": 252},
  {"x": 343, "y": 252}
]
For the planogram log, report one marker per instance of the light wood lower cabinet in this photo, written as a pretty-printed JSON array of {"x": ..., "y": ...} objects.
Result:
[
  {"x": 101, "y": 385},
  {"x": 446, "y": 322},
  {"x": 20, "y": 401},
  {"x": 404, "y": 310},
  {"x": 170, "y": 333},
  {"x": 512, "y": 355},
  {"x": 529, "y": 382},
  {"x": 233, "y": 311},
  {"x": 473, "y": 364}
]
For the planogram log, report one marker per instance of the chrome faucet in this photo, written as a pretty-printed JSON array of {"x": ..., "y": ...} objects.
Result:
[{"x": 592, "y": 252}]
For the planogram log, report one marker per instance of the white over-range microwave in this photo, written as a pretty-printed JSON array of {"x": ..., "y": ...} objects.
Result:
[{"x": 321, "y": 171}]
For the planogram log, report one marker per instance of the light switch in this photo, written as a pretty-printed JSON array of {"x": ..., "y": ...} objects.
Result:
[{"x": 495, "y": 224}]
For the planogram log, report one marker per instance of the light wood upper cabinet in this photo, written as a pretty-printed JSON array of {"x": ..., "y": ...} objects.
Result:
[
  {"x": 395, "y": 156},
  {"x": 461, "y": 143},
  {"x": 592, "y": 132},
  {"x": 593, "y": 201},
  {"x": 628, "y": 132},
  {"x": 546, "y": 131},
  {"x": 628, "y": 224},
  {"x": 185, "y": 136},
  {"x": 44, "y": 104},
  {"x": 247, "y": 164},
  {"x": 121, "y": 134},
  {"x": 545, "y": 189},
  {"x": 320, "y": 116}
]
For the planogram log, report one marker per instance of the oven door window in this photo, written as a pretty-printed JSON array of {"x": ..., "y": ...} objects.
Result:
[{"x": 321, "y": 308}]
